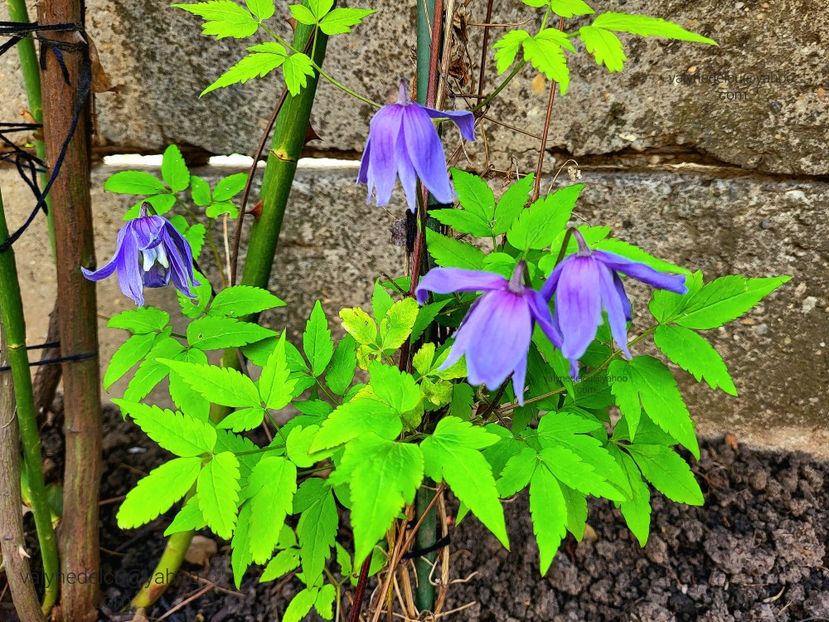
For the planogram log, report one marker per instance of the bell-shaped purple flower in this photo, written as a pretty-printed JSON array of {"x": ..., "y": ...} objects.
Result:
[
  {"x": 496, "y": 332},
  {"x": 149, "y": 252},
  {"x": 403, "y": 141},
  {"x": 588, "y": 282}
]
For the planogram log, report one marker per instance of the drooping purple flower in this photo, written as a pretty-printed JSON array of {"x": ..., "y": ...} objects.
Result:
[
  {"x": 588, "y": 282},
  {"x": 496, "y": 332},
  {"x": 402, "y": 141},
  {"x": 149, "y": 252}
]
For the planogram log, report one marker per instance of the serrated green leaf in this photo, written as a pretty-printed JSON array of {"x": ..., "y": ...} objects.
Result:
[
  {"x": 341, "y": 20},
  {"x": 537, "y": 226},
  {"x": 270, "y": 489},
  {"x": 450, "y": 253},
  {"x": 141, "y": 320},
  {"x": 512, "y": 203},
  {"x": 320, "y": 8},
  {"x": 645, "y": 26},
  {"x": 194, "y": 307},
  {"x": 223, "y": 18},
  {"x": 576, "y": 503},
  {"x": 282, "y": 563},
  {"x": 549, "y": 515},
  {"x": 507, "y": 47},
  {"x": 275, "y": 385},
  {"x": 668, "y": 472},
  {"x": 199, "y": 191},
  {"x": 243, "y": 419},
  {"x": 425, "y": 316},
  {"x": 218, "y": 491},
  {"x": 695, "y": 355},
  {"x": 517, "y": 472},
  {"x": 254, "y": 65},
  {"x": 570, "y": 8},
  {"x": 216, "y": 333},
  {"x": 474, "y": 195},
  {"x": 385, "y": 477},
  {"x": 605, "y": 47},
  {"x": 157, "y": 492},
  {"x": 303, "y": 14},
  {"x": 637, "y": 510},
  {"x": 324, "y": 604},
  {"x": 343, "y": 364},
  {"x": 317, "y": 526},
  {"x": 189, "y": 517},
  {"x": 240, "y": 557},
  {"x": 220, "y": 208},
  {"x": 151, "y": 372},
  {"x": 316, "y": 340},
  {"x": 219, "y": 385},
  {"x": 359, "y": 325},
  {"x": 174, "y": 170},
  {"x": 545, "y": 51},
  {"x": 134, "y": 182},
  {"x": 242, "y": 300},
  {"x": 127, "y": 355},
  {"x": 397, "y": 324},
  {"x": 463, "y": 396},
  {"x": 228, "y": 187},
  {"x": 300, "y": 605},
  {"x": 659, "y": 397},
  {"x": 452, "y": 454},
  {"x": 175, "y": 432},
  {"x": 297, "y": 68},
  {"x": 725, "y": 299},
  {"x": 578, "y": 474},
  {"x": 356, "y": 418},
  {"x": 263, "y": 9}
]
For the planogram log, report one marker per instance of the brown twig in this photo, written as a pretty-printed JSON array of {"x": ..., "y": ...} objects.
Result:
[{"x": 539, "y": 168}]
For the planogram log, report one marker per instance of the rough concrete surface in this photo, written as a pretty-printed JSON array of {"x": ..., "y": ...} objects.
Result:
[
  {"x": 333, "y": 245},
  {"x": 758, "y": 101}
]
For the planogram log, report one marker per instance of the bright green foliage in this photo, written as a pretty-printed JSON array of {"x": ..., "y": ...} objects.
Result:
[
  {"x": 477, "y": 206},
  {"x": 362, "y": 415},
  {"x": 343, "y": 364},
  {"x": 453, "y": 454},
  {"x": 220, "y": 385},
  {"x": 668, "y": 473},
  {"x": 649, "y": 380},
  {"x": 451, "y": 253},
  {"x": 270, "y": 491},
  {"x": 549, "y": 514},
  {"x": 125, "y": 357},
  {"x": 541, "y": 223},
  {"x": 276, "y": 388},
  {"x": 296, "y": 69},
  {"x": 141, "y": 320},
  {"x": 384, "y": 476},
  {"x": 242, "y": 300},
  {"x": 215, "y": 333},
  {"x": 695, "y": 355},
  {"x": 223, "y": 18},
  {"x": 545, "y": 51},
  {"x": 175, "y": 432},
  {"x": 332, "y": 22},
  {"x": 259, "y": 62},
  {"x": 218, "y": 492},
  {"x": 317, "y": 525},
  {"x": 512, "y": 203},
  {"x": 316, "y": 340},
  {"x": 157, "y": 492},
  {"x": 716, "y": 303},
  {"x": 262, "y": 9}
]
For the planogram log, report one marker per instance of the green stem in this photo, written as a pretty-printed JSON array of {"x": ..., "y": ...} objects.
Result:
[
  {"x": 30, "y": 68},
  {"x": 14, "y": 326},
  {"x": 286, "y": 147},
  {"x": 165, "y": 571},
  {"x": 425, "y": 537}
]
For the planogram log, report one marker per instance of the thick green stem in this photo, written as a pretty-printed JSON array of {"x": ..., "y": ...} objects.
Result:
[
  {"x": 14, "y": 327},
  {"x": 30, "y": 68},
  {"x": 288, "y": 140},
  {"x": 289, "y": 137}
]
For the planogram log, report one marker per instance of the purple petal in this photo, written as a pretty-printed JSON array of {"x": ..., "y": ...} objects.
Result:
[
  {"x": 552, "y": 281},
  {"x": 406, "y": 172},
  {"x": 129, "y": 270},
  {"x": 382, "y": 168},
  {"x": 107, "y": 269},
  {"x": 642, "y": 272},
  {"x": 542, "y": 316},
  {"x": 615, "y": 310},
  {"x": 146, "y": 231},
  {"x": 156, "y": 276},
  {"x": 578, "y": 305},
  {"x": 620, "y": 289},
  {"x": 448, "y": 280},
  {"x": 519, "y": 376},
  {"x": 501, "y": 339},
  {"x": 362, "y": 176},
  {"x": 426, "y": 152},
  {"x": 181, "y": 259},
  {"x": 464, "y": 119},
  {"x": 464, "y": 335}
]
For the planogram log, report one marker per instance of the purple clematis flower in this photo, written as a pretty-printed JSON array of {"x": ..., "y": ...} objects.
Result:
[
  {"x": 495, "y": 334},
  {"x": 149, "y": 252},
  {"x": 588, "y": 282},
  {"x": 402, "y": 141}
]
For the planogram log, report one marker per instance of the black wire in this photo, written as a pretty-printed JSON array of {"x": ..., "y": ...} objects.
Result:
[
  {"x": 59, "y": 359},
  {"x": 28, "y": 165}
]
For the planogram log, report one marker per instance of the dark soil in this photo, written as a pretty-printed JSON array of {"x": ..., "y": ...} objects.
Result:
[{"x": 756, "y": 551}]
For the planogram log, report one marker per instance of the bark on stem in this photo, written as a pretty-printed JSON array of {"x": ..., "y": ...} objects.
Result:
[{"x": 77, "y": 322}]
